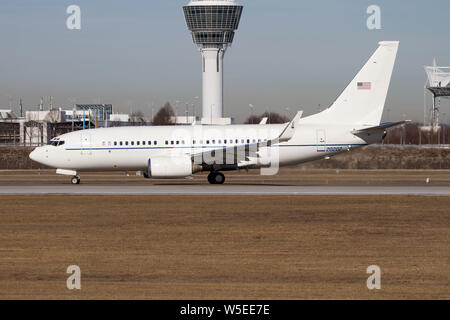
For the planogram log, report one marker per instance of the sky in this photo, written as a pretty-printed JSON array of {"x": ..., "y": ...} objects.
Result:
[{"x": 287, "y": 55}]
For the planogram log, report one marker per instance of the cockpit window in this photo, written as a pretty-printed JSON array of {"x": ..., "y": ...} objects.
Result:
[{"x": 56, "y": 143}]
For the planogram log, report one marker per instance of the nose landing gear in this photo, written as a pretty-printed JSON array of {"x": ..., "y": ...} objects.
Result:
[
  {"x": 216, "y": 178},
  {"x": 75, "y": 180}
]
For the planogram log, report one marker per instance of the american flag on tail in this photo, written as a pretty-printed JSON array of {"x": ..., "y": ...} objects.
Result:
[{"x": 364, "y": 85}]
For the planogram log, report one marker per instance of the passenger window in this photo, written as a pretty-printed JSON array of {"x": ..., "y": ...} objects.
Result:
[
  {"x": 132, "y": 143},
  {"x": 225, "y": 141},
  {"x": 155, "y": 142},
  {"x": 236, "y": 141},
  {"x": 121, "y": 143},
  {"x": 207, "y": 141},
  {"x": 214, "y": 142},
  {"x": 61, "y": 143},
  {"x": 171, "y": 142},
  {"x": 143, "y": 143},
  {"x": 248, "y": 140},
  {"x": 178, "y": 142},
  {"x": 126, "y": 143},
  {"x": 193, "y": 142},
  {"x": 167, "y": 142},
  {"x": 138, "y": 143},
  {"x": 115, "y": 143}
]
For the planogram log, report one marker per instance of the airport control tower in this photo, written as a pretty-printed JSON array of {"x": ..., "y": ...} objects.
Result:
[{"x": 213, "y": 23}]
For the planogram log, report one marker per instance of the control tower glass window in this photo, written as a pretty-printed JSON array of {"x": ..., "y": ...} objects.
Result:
[{"x": 213, "y": 17}]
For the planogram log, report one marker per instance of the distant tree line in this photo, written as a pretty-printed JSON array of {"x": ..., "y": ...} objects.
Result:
[
  {"x": 164, "y": 116},
  {"x": 412, "y": 134},
  {"x": 272, "y": 117},
  {"x": 137, "y": 118}
]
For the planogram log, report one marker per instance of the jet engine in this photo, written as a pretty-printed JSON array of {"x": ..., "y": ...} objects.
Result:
[{"x": 171, "y": 168}]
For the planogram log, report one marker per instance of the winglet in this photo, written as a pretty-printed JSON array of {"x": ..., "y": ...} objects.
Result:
[
  {"x": 264, "y": 120},
  {"x": 289, "y": 131}
]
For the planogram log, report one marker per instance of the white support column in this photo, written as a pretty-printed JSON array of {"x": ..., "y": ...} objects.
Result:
[{"x": 212, "y": 65}]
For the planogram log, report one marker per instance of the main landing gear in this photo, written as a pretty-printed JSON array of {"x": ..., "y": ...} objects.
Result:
[
  {"x": 216, "y": 178},
  {"x": 75, "y": 180}
]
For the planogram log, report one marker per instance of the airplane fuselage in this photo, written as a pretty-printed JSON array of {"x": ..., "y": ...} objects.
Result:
[{"x": 130, "y": 148}]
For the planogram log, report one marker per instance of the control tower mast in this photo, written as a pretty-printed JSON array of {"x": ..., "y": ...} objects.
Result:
[{"x": 213, "y": 24}]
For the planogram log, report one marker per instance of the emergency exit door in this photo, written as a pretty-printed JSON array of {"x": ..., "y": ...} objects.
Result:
[
  {"x": 86, "y": 143},
  {"x": 321, "y": 140}
]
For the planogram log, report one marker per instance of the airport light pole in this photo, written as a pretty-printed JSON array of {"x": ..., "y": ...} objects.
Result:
[
  {"x": 444, "y": 127},
  {"x": 176, "y": 107},
  {"x": 153, "y": 108},
  {"x": 251, "y": 111},
  {"x": 194, "y": 106},
  {"x": 404, "y": 129}
]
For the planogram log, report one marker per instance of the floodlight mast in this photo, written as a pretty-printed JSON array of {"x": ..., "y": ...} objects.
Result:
[
  {"x": 212, "y": 24},
  {"x": 439, "y": 86}
]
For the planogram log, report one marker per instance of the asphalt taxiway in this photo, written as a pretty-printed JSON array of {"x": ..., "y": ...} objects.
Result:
[{"x": 419, "y": 190}]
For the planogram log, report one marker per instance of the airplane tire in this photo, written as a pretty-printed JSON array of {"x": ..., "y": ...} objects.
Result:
[
  {"x": 75, "y": 180},
  {"x": 219, "y": 178},
  {"x": 211, "y": 177},
  {"x": 216, "y": 178}
]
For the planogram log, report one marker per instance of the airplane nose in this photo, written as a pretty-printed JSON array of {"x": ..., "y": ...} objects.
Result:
[
  {"x": 34, "y": 155},
  {"x": 40, "y": 155}
]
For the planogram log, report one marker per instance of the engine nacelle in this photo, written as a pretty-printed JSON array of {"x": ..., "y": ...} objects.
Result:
[{"x": 171, "y": 168}]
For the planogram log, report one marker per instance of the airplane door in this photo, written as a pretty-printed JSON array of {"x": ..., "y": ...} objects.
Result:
[
  {"x": 321, "y": 141},
  {"x": 86, "y": 143}
]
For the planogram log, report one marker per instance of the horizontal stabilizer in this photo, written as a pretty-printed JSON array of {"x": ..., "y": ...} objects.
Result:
[{"x": 381, "y": 127}]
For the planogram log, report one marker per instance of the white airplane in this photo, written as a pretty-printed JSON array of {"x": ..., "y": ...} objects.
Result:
[{"x": 169, "y": 152}]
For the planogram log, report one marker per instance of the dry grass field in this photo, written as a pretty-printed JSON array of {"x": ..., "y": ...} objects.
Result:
[{"x": 235, "y": 247}]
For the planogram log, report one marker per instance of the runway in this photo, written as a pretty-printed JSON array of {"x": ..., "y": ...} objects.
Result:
[{"x": 419, "y": 190}]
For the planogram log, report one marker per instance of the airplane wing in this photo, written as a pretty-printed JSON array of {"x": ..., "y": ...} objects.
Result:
[
  {"x": 246, "y": 154},
  {"x": 381, "y": 127}
]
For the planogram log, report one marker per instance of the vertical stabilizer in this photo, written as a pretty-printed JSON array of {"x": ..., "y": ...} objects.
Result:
[{"x": 362, "y": 102}]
